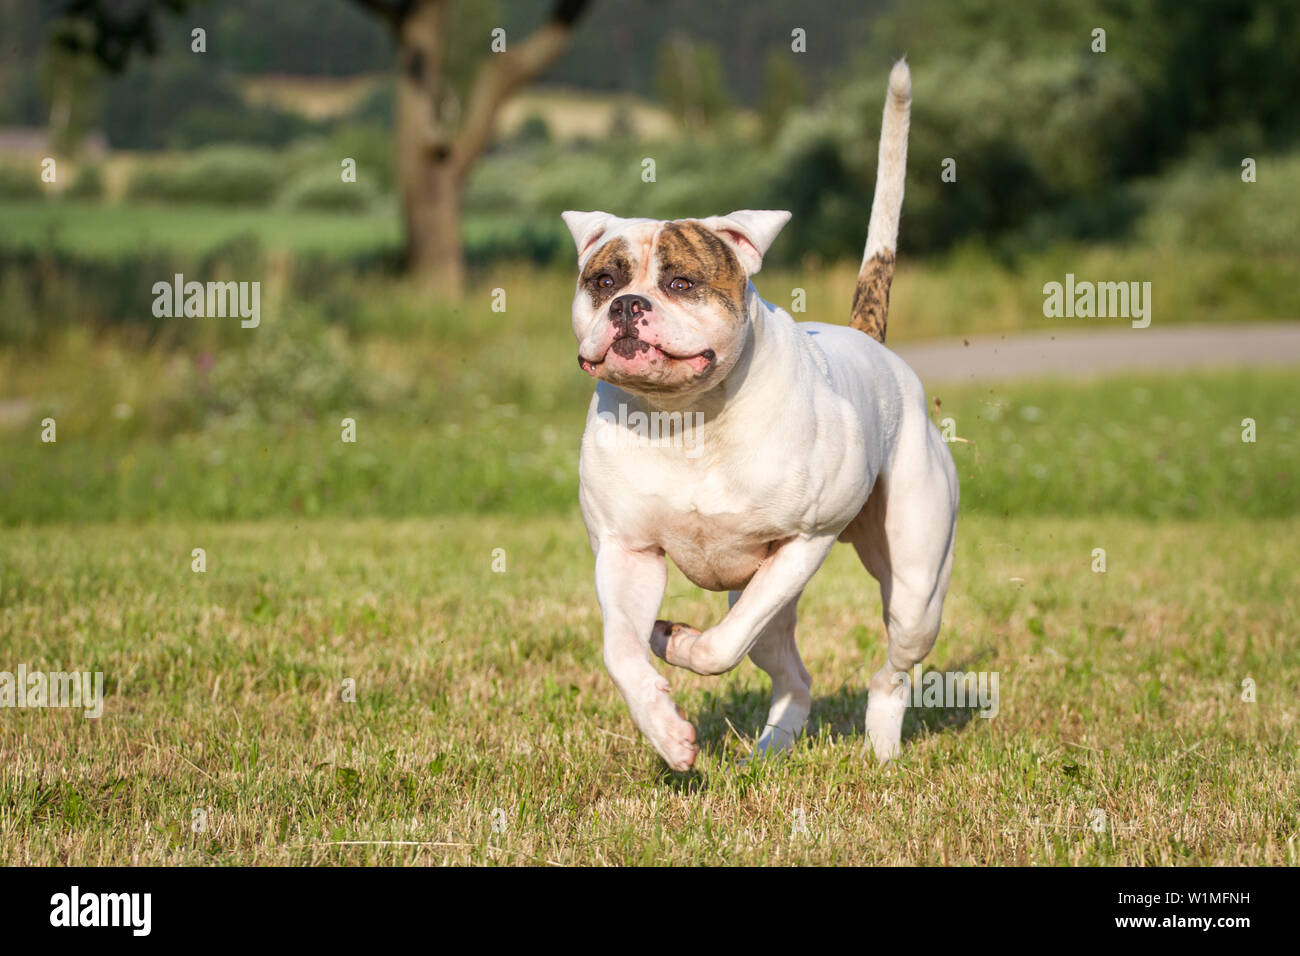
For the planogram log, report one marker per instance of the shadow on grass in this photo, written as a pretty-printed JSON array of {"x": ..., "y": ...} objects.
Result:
[{"x": 728, "y": 725}]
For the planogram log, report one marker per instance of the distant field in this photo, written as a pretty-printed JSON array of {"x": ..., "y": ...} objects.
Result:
[
  {"x": 967, "y": 291},
  {"x": 485, "y": 730},
  {"x": 112, "y": 231},
  {"x": 569, "y": 113},
  {"x": 574, "y": 114},
  {"x": 315, "y": 97}
]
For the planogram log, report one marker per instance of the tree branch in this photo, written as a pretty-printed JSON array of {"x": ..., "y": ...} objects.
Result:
[
  {"x": 109, "y": 31},
  {"x": 504, "y": 73}
]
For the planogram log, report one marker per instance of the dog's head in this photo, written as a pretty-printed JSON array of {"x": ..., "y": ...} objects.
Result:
[{"x": 662, "y": 307}]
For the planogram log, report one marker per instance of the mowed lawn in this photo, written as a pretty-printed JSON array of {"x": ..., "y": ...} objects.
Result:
[{"x": 484, "y": 729}]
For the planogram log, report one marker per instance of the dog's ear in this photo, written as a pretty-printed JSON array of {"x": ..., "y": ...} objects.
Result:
[
  {"x": 586, "y": 227},
  {"x": 749, "y": 232}
]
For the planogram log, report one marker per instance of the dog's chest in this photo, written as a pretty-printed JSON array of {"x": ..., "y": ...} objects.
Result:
[
  {"x": 714, "y": 552},
  {"x": 715, "y": 519}
]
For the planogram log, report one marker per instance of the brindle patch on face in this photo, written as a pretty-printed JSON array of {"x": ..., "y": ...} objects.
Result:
[
  {"x": 871, "y": 299},
  {"x": 688, "y": 250},
  {"x": 614, "y": 259}
]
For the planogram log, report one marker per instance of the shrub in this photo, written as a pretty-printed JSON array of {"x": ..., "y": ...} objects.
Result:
[
  {"x": 298, "y": 372},
  {"x": 1204, "y": 204},
  {"x": 489, "y": 239},
  {"x": 534, "y": 129},
  {"x": 324, "y": 189},
  {"x": 89, "y": 184},
  {"x": 17, "y": 182},
  {"x": 218, "y": 175},
  {"x": 237, "y": 123},
  {"x": 370, "y": 145}
]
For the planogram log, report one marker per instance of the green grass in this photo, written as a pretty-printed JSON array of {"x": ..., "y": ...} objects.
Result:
[
  {"x": 99, "y": 232},
  {"x": 969, "y": 290},
  {"x": 103, "y": 231},
  {"x": 1149, "y": 446},
  {"x": 482, "y": 696}
]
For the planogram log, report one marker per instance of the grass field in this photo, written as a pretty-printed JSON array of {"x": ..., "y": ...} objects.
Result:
[
  {"x": 261, "y": 436},
  {"x": 484, "y": 729},
  {"x": 331, "y": 568},
  {"x": 98, "y": 230}
]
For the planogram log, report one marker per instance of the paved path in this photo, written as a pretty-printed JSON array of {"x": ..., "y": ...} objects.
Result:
[{"x": 1084, "y": 353}]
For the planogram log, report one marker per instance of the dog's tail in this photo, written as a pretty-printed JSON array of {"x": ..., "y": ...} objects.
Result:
[{"x": 871, "y": 300}]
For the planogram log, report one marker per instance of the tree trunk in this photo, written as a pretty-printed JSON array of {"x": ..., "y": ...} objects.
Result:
[
  {"x": 431, "y": 212},
  {"x": 438, "y": 141},
  {"x": 426, "y": 169}
]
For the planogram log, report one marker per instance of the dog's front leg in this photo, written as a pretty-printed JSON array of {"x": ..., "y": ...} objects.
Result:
[
  {"x": 630, "y": 586},
  {"x": 779, "y": 580}
]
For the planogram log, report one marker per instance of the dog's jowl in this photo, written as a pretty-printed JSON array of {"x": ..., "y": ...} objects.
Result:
[{"x": 802, "y": 435}]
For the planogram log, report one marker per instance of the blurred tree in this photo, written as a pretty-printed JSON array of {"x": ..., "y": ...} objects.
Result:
[
  {"x": 1049, "y": 137},
  {"x": 784, "y": 89},
  {"x": 327, "y": 38},
  {"x": 534, "y": 129},
  {"x": 82, "y": 33},
  {"x": 21, "y": 99},
  {"x": 689, "y": 82},
  {"x": 68, "y": 81},
  {"x": 447, "y": 101},
  {"x": 454, "y": 71},
  {"x": 609, "y": 49},
  {"x": 111, "y": 31},
  {"x": 1227, "y": 69}
]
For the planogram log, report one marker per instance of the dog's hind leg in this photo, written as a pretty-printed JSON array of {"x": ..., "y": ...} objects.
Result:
[
  {"x": 905, "y": 536},
  {"x": 776, "y": 653}
]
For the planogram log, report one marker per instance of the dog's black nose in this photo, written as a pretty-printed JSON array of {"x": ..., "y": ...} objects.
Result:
[{"x": 627, "y": 307}]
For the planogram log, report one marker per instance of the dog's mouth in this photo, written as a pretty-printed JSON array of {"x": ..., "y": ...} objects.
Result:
[
  {"x": 631, "y": 346},
  {"x": 629, "y": 352}
]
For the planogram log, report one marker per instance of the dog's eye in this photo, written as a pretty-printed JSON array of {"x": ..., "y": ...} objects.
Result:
[
  {"x": 680, "y": 285},
  {"x": 605, "y": 281}
]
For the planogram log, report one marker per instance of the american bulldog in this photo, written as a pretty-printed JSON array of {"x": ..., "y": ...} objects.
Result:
[{"x": 800, "y": 434}]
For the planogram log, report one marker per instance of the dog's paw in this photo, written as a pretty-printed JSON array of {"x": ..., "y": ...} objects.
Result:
[
  {"x": 885, "y": 725},
  {"x": 775, "y": 740},
  {"x": 671, "y": 642},
  {"x": 666, "y": 727},
  {"x": 678, "y": 747}
]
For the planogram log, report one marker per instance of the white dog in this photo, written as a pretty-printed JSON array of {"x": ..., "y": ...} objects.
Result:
[{"x": 800, "y": 434}]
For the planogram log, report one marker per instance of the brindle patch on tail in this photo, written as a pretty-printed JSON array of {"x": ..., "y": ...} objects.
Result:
[{"x": 871, "y": 299}]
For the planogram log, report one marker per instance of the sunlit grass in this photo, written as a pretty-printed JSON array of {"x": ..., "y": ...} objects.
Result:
[
  {"x": 481, "y": 697},
  {"x": 263, "y": 436}
]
